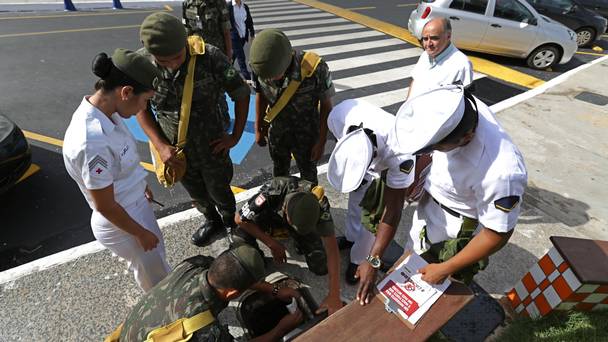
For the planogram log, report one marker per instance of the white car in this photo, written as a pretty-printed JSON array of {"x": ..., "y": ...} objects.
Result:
[{"x": 502, "y": 27}]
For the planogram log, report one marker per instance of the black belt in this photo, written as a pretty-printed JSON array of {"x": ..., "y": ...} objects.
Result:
[{"x": 448, "y": 210}]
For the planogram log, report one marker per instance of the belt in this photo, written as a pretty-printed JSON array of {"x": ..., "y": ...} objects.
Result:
[{"x": 448, "y": 210}]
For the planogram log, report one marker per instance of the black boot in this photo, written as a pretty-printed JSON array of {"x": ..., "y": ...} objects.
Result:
[
  {"x": 350, "y": 273},
  {"x": 201, "y": 235}
]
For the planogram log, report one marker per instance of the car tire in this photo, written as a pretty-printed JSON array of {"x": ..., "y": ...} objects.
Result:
[
  {"x": 584, "y": 36},
  {"x": 543, "y": 57}
]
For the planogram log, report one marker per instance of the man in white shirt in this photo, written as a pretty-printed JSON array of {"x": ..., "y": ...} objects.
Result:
[
  {"x": 473, "y": 190},
  {"x": 441, "y": 63}
]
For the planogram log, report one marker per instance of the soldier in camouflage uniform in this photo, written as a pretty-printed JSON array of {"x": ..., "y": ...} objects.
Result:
[
  {"x": 201, "y": 283},
  {"x": 210, "y": 20},
  {"x": 300, "y": 207},
  {"x": 209, "y": 168},
  {"x": 300, "y": 129}
]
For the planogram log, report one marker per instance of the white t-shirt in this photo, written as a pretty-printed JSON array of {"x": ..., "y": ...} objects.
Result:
[
  {"x": 348, "y": 113},
  {"x": 98, "y": 152},
  {"x": 240, "y": 15},
  {"x": 450, "y": 66},
  {"x": 484, "y": 179}
]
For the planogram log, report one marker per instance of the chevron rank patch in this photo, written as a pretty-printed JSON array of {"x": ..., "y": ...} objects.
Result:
[
  {"x": 97, "y": 164},
  {"x": 406, "y": 166},
  {"x": 506, "y": 204}
]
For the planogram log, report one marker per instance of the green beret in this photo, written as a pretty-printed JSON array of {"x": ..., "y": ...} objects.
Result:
[
  {"x": 270, "y": 53},
  {"x": 251, "y": 260},
  {"x": 163, "y": 34},
  {"x": 303, "y": 211},
  {"x": 137, "y": 67}
]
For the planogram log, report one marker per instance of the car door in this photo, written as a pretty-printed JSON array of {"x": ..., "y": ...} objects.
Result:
[
  {"x": 469, "y": 22},
  {"x": 512, "y": 29},
  {"x": 599, "y": 6},
  {"x": 558, "y": 10}
]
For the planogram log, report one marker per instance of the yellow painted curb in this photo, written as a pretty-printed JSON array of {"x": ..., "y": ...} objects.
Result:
[
  {"x": 25, "y": 34},
  {"x": 72, "y": 15},
  {"x": 30, "y": 171},
  {"x": 479, "y": 64}
]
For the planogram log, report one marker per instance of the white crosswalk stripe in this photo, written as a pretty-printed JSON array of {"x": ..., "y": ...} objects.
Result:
[{"x": 365, "y": 63}]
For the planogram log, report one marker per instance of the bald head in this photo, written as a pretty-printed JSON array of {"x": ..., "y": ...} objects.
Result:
[{"x": 436, "y": 35}]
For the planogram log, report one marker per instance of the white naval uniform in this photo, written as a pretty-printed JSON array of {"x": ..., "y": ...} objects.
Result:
[
  {"x": 449, "y": 66},
  {"x": 380, "y": 122},
  {"x": 472, "y": 180},
  {"x": 99, "y": 152}
]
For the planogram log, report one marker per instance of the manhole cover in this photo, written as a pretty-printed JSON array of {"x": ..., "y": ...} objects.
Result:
[{"x": 593, "y": 98}]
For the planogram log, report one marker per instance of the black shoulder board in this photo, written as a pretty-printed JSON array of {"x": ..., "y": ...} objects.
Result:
[
  {"x": 506, "y": 204},
  {"x": 406, "y": 166}
]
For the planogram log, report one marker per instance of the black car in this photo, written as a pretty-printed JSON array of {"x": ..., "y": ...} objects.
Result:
[
  {"x": 587, "y": 24},
  {"x": 15, "y": 154},
  {"x": 598, "y": 6}
]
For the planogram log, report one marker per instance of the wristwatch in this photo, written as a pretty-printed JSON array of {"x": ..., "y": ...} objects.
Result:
[
  {"x": 374, "y": 260},
  {"x": 275, "y": 289}
]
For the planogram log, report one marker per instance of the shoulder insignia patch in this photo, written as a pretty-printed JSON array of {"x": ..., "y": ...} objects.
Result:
[
  {"x": 230, "y": 73},
  {"x": 325, "y": 216},
  {"x": 406, "y": 166},
  {"x": 506, "y": 204},
  {"x": 260, "y": 200}
]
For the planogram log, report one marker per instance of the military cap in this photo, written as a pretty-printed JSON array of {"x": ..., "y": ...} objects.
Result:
[
  {"x": 270, "y": 53},
  {"x": 136, "y": 66},
  {"x": 303, "y": 211},
  {"x": 163, "y": 34},
  {"x": 251, "y": 260}
]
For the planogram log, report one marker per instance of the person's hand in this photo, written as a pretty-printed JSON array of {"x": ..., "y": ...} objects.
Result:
[
  {"x": 435, "y": 273},
  {"x": 367, "y": 280},
  {"x": 317, "y": 150},
  {"x": 223, "y": 144},
  {"x": 331, "y": 303},
  {"x": 148, "y": 194},
  {"x": 290, "y": 321},
  {"x": 260, "y": 135},
  {"x": 168, "y": 154},
  {"x": 278, "y": 252},
  {"x": 146, "y": 239},
  {"x": 287, "y": 293}
]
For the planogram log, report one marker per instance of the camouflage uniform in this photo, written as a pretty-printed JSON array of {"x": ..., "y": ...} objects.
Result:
[
  {"x": 208, "y": 19},
  {"x": 266, "y": 210},
  {"x": 295, "y": 130},
  {"x": 208, "y": 175},
  {"x": 184, "y": 293}
]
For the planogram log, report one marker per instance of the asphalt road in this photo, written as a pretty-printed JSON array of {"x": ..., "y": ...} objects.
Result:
[{"x": 45, "y": 72}]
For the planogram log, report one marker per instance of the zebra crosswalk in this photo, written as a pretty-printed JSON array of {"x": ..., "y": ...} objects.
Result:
[{"x": 365, "y": 63}]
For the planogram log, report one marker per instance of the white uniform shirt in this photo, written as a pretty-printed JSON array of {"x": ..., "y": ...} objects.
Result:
[
  {"x": 448, "y": 67},
  {"x": 476, "y": 180},
  {"x": 381, "y": 123},
  {"x": 98, "y": 152},
  {"x": 240, "y": 15}
]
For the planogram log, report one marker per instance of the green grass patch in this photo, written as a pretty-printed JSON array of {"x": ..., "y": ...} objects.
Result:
[{"x": 558, "y": 326}]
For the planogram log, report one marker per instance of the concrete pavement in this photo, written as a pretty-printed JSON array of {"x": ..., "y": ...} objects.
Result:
[{"x": 83, "y": 297}]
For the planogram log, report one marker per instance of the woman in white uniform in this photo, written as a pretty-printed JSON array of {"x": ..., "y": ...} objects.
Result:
[{"x": 100, "y": 154}]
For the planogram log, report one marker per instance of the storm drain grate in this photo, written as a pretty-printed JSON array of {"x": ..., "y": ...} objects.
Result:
[{"x": 593, "y": 98}]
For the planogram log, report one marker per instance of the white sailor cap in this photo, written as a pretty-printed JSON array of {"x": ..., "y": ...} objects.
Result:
[
  {"x": 427, "y": 119},
  {"x": 349, "y": 160}
]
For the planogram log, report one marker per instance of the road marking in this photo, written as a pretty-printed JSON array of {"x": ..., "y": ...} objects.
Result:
[
  {"x": 480, "y": 65},
  {"x": 359, "y": 61},
  {"x": 335, "y": 38},
  {"x": 302, "y": 23},
  {"x": 68, "y": 31},
  {"x": 332, "y": 50},
  {"x": 373, "y": 78},
  {"x": 30, "y": 171},
  {"x": 361, "y": 8},
  {"x": 258, "y": 10},
  {"x": 68, "y": 15},
  {"x": 293, "y": 17},
  {"x": 406, "y": 5},
  {"x": 59, "y": 143},
  {"x": 591, "y": 53},
  {"x": 323, "y": 29},
  {"x": 282, "y": 13}
]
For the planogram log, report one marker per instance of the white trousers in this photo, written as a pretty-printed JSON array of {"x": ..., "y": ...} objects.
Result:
[
  {"x": 148, "y": 267},
  {"x": 355, "y": 232}
]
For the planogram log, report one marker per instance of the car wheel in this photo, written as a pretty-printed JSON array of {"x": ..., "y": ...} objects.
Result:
[
  {"x": 543, "y": 57},
  {"x": 584, "y": 36}
]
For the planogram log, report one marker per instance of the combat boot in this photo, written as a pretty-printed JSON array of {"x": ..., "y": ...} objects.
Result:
[{"x": 203, "y": 233}]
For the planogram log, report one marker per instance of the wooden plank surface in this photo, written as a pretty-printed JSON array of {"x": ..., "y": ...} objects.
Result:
[{"x": 588, "y": 258}]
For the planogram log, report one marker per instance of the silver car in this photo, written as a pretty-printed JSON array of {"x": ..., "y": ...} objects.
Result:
[{"x": 501, "y": 27}]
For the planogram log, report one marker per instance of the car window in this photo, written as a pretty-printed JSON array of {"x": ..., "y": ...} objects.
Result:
[
  {"x": 561, "y": 4},
  {"x": 475, "y": 6},
  {"x": 512, "y": 10}
]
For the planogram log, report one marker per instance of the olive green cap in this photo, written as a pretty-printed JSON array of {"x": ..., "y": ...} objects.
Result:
[
  {"x": 162, "y": 34},
  {"x": 137, "y": 67},
  {"x": 251, "y": 260},
  {"x": 270, "y": 53},
  {"x": 303, "y": 211}
]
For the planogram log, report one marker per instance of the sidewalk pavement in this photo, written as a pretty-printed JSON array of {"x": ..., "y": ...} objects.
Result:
[{"x": 565, "y": 148}]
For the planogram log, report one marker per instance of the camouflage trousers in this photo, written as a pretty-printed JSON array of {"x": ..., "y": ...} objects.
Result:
[
  {"x": 207, "y": 180},
  {"x": 309, "y": 245},
  {"x": 282, "y": 144}
]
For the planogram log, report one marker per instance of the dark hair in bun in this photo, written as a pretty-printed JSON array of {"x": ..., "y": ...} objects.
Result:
[{"x": 111, "y": 77}]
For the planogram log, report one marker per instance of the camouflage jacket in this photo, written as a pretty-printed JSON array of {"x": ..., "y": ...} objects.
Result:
[
  {"x": 266, "y": 207},
  {"x": 214, "y": 75},
  {"x": 207, "y": 18},
  {"x": 302, "y": 111},
  {"x": 185, "y": 292}
]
